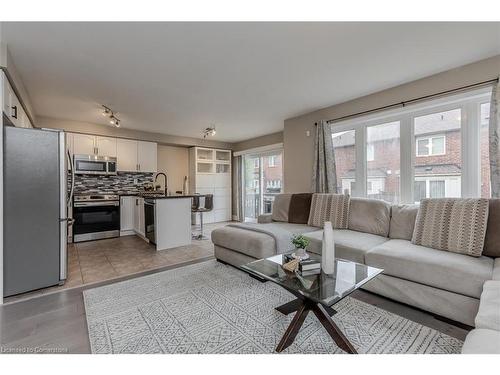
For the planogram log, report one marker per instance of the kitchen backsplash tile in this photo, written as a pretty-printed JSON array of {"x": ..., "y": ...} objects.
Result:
[{"x": 122, "y": 183}]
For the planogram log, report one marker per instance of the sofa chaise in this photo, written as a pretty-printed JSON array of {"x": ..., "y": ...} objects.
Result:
[{"x": 444, "y": 283}]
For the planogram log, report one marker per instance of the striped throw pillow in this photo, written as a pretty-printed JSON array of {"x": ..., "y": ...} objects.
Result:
[
  {"x": 329, "y": 207},
  {"x": 452, "y": 224}
]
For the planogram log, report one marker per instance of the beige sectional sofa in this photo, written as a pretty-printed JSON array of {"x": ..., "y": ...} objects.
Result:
[{"x": 441, "y": 282}]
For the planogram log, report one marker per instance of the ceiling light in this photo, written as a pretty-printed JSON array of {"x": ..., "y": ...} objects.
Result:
[
  {"x": 108, "y": 112},
  {"x": 209, "y": 131}
]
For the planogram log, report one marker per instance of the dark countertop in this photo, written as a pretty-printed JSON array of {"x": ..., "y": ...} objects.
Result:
[{"x": 174, "y": 196}]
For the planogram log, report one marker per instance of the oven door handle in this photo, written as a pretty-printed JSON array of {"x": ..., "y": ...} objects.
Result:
[{"x": 96, "y": 204}]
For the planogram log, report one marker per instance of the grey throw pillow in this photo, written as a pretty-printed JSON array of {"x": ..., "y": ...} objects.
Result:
[
  {"x": 370, "y": 216},
  {"x": 281, "y": 206},
  {"x": 403, "y": 218}
]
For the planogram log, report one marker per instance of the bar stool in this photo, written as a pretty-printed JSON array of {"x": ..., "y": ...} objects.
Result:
[{"x": 196, "y": 207}]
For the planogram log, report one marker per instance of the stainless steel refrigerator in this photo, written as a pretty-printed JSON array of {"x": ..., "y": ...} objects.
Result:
[{"x": 35, "y": 209}]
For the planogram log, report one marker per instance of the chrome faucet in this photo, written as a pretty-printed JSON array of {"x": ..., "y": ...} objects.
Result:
[{"x": 166, "y": 181}]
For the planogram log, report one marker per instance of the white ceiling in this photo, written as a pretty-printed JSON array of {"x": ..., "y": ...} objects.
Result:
[{"x": 178, "y": 78}]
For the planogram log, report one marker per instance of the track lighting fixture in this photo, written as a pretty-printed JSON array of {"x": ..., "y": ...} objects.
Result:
[
  {"x": 209, "y": 132},
  {"x": 108, "y": 112}
]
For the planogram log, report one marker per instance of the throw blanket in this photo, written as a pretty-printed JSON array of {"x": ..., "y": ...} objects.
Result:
[{"x": 282, "y": 237}]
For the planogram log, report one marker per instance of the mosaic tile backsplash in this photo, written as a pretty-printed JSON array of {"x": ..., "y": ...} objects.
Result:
[{"x": 122, "y": 183}]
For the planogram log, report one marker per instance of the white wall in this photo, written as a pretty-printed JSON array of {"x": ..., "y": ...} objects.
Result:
[{"x": 174, "y": 161}]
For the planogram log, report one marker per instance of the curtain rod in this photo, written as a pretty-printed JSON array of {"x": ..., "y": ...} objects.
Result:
[{"x": 404, "y": 103}]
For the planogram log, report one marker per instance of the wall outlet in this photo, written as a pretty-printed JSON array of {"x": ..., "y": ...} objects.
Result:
[
  {"x": 308, "y": 133},
  {"x": 136, "y": 181}
]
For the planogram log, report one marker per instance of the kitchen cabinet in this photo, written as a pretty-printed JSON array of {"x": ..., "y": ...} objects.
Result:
[
  {"x": 106, "y": 146},
  {"x": 126, "y": 155},
  {"x": 127, "y": 215},
  {"x": 131, "y": 155},
  {"x": 147, "y": 156},
  {"x": 139, "y": 225},
  {"x": 210, "y": 173},
  {"x": 69, "y": 142},
  {"x": 84, "y": 144},
  {"x": 11, "y": 105},
  {"x": 136, "y": 156}
]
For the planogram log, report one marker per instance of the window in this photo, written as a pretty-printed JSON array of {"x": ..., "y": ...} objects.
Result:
[
  {"x": 484, "y": 122},
  {"x": 420, "y": 190},
  {"x": 431, "y": 146},
  {"x": 272, "y": 161},
  {"x": 432, "y": 161},
  {"x": 436, "y": 189},
  {"x": 345, "y": 160},
  {"x": 370, "y": 152},
  {"x": 263, "y": 178},
  {"x": 382, "y": 170},
  {"x": 429, "y": 149}
]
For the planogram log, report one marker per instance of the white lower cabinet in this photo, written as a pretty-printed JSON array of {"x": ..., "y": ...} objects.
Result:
[
  {"x": 139, "y": 225},
  {"x": 127, "y": 214}
]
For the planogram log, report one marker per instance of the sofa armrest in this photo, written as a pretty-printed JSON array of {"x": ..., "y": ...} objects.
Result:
[{"x": 264, "y": 219}]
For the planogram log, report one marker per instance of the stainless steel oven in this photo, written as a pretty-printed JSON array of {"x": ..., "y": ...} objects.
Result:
[
  {"x": 96, "y": 217},
  {"x": 94, "y": 164}
]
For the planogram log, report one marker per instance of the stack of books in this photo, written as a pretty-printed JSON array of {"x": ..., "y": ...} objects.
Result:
[{"x": 309, "y": 267}]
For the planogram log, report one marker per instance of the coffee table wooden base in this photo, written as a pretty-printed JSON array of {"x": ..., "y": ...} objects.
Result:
[{"x": 323, "y": 313}]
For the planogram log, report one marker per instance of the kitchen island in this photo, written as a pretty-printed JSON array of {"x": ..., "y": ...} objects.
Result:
[{"x": 168, "y": 220}]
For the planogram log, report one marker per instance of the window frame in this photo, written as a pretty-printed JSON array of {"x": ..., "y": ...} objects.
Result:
[
  {"x": 468, "y": 102},
  {"x": 430, "y": 139}
]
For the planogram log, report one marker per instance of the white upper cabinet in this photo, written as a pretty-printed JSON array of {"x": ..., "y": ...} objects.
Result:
[
  {"x": 126, "y": 155},
  {"x": 69, "y": 142},
  {"x": 12, "y": 106},
  {"x": 147, "y": 156},
  {"x": 84, "y": 144},
  {"x": 106, "y": 146},
  {"x": 131, "y": 155},
  {"x": 6, "y": 95}
]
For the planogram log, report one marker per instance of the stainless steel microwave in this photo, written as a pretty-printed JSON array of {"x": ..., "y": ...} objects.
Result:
[{"x": 93, "y": 164}]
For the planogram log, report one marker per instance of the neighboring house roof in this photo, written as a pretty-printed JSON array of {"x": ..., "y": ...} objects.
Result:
[
  {"x": 376, "y": 172},
  {"x": 420, "y": 170},
  {"x": 444, "y": 169}
]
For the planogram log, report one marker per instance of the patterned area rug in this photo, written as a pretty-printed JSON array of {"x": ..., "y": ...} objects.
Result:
[{"x": 213, "y": 308}]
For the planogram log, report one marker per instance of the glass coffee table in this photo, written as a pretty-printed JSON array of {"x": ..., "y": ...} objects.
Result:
[{"x": 316, "y": 293}]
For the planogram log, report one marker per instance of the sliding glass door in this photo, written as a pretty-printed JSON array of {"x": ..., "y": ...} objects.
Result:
[{"x": 262, "y": 181}]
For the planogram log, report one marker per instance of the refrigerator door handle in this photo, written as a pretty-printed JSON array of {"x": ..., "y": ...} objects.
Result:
[
  {"x": 63, "y": 225},
  {"x": 70, "y": 160}
]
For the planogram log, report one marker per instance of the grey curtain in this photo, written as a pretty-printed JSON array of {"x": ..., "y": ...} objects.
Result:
[
  {"x": 494, "y": 135},
  {"x": 324, "y": 173},
  {"x": 237, "y": 196}
]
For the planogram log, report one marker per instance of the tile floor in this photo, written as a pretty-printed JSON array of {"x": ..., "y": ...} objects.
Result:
[{"x": 95, "y": 261}]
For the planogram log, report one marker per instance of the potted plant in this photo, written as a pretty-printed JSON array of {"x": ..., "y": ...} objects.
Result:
[{"x": 300, "y": 242}]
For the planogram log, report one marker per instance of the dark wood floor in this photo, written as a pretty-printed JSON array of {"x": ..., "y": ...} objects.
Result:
[{"x": 57, "y": 322}]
